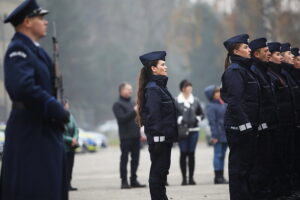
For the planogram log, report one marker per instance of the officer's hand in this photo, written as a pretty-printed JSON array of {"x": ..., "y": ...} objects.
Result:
[
  {"x": 57, "y": 112},
  {"x": 58, "y": 126}
]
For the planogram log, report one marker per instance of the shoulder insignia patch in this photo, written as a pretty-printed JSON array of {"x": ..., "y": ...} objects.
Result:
[{"x": 17, "y": 53}]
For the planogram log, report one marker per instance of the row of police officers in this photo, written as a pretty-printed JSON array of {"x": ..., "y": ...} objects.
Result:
[{"x": 261, "y": 85}]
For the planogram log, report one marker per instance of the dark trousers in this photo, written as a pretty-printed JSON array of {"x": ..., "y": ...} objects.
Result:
[
  {"x": 241, "y": 161},
  {"x": 160, "y": 165},
  {"x": 70, "y": 164},
  {"x": 187, "y": 151},
  {"x": 131, "y": 146}
]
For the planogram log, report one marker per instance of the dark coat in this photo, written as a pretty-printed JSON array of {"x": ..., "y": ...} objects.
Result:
[
  {"x": 215, "y": 112},
  {"x": 159, "y": 111},
  {"x": 240, "y": 90},
  {"x": 268, "y": 108},
  {"x": 288, "y": 71},
  {"x": 283, "y": 95},
  {"x": 33, "y": 162},
  {"x": 125, "y": 114},
  {"x": 296, "y": 73}
]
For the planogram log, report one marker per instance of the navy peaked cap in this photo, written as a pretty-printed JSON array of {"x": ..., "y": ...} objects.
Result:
[
  {"x": 27, "y": 8},
  {"x": 295, "y": 51},
  {"x": 243, "y": 38},
  {"x": 257, "y": 44},
  {"x": 274, "y": 46},
  {"x": 155, "y": 55},
  {"x": 285, "y": 47}
]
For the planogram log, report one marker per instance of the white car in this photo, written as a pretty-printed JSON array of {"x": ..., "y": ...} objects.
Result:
[{"x": 90, "y": 141}]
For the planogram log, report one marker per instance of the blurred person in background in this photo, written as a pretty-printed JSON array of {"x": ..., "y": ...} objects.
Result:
[
  {"x": 190, "y": 114},
  {"x": 70, "y": 136},
  {"x": 129, "y": 134},
  {"x": 157, "y": 113},
  {"x": 215, "y": 111}
]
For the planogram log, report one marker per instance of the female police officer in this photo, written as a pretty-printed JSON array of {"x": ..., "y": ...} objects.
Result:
[
  {"x": 240, "y": 90},
  {"x": 283, "y": 100},
  {"x": 157, "y": 113}
]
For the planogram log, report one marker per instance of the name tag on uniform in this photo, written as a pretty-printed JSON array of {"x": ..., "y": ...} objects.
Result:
[{"x": 17, "y": 53}]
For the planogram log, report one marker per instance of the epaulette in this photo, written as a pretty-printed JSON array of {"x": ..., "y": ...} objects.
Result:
[
  {"x": 234, "y": 66},
  {"x": 151, "y": 84}
]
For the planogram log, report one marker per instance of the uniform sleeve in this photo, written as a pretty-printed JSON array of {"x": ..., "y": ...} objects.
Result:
[
  {"x": 21, "y": 85},
  {"x": 212, "y": 121},
  {"x": 234, "y": 83},
  {"x": 67, "y": 138},
  {"x": 122, "y": 115},
  {"x": 153, "y": 107},
  {"x": 76, "y": 131}
]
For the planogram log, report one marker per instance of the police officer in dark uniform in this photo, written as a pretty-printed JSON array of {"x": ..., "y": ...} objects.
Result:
[
  {"x": 296, "y": 74},
  {"x": 157, "y": 112},
  {"x": 264, "y": 169},
  {"x": 294, "y": 142},
  {"x": 33, "y": 164},
  {"x": 284, "y": 102},
  {"x": 240, "y": 90}
]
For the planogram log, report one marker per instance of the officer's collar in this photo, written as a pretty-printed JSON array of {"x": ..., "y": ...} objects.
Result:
[
  {"x": 245, "y": 62},
  {"x": 274, "y": 66},
  {"x": 26, "y": 39},
  {"x": 160, "y": 80},
  {"x": 259, "y": 63},
  {"x": 287, "y": 66}
]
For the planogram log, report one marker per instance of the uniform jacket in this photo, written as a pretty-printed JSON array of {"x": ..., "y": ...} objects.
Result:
[
  {"x": 125, "y": 114},
  {"x": 70, "y": 133},
  {"x": 268, "y": 110},
  {"x": 288, "y": 71},
  {"x": 33, "y": 163},
  {"x": 189, "y": 111},
  {"x": 215, "y": 112},
  {"x": 159, "y": 111},
  {"x": 240, "y": 90},
  {"x": 282, "y": 93},
  {"x": 296, "y": 73}
]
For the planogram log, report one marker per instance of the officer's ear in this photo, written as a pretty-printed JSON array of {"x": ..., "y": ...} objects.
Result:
[
  {"x": 236, "y": 51},
  {"x": 154, "y": 69},
  {"x": 27, "y": 22},
  {"x": 256, "y": 53}
]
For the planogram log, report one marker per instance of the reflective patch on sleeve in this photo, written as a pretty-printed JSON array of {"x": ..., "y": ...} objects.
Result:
[{"x": 17, "y": 53}]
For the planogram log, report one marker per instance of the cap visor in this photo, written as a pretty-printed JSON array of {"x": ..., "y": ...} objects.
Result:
[{"x": 43, "y": 12}]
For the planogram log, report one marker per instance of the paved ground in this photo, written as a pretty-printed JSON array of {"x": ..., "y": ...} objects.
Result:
[{"x": 97, "y": 177}]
